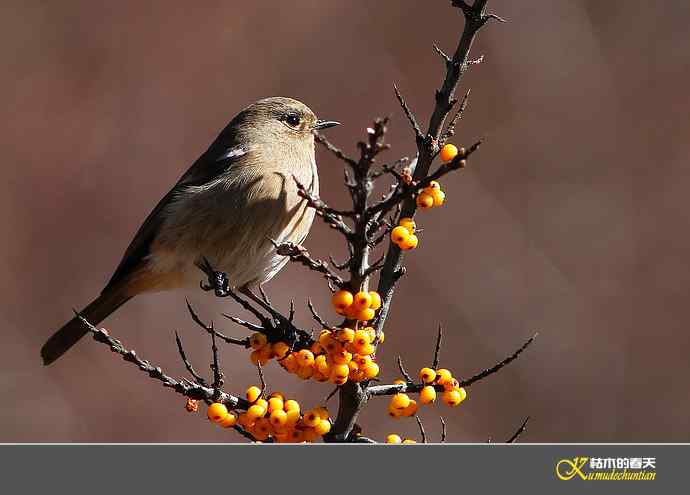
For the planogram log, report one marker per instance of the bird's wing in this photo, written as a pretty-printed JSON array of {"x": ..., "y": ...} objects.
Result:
[{"x": 209, "y": 166}]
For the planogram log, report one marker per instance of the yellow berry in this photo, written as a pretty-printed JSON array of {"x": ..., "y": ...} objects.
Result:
[
  {"x": 463, "y": 393},
  {"x": 275, "y": 404},
  {"x": 393, "y": 439},
  {"x": 382, "y": 337},
  {"x": 217, "y": 412},
  {"x": 362, "y": 300},
  {"x": 400, "y": 234},
  {"x": 305, "y": 357},
  {"x": 305, "y": 372},
  {"x": 280, "y": 349},
  {"x": 291, "y": 405},
  {"x": 342, "y": 300},
  {"x": 408, "y": 440},
  {"x": 311, "y": 418},
  {"x": 427, "y": 395},
  {"x": 400, "y": 401},
  {"x": 323, "y": 427},
  {"x": 425, "y": 200},
  {"x": 452, "y": 397},
  {"x": 375, "y": 300},
  {"x": 229, "y": 420},
  {"x": 427, "y": 375},
  {"x": 448, "y": 152},
  {"x": 410, "y": 243},
  {"x": 341, "y": 357},
  {"x": 290, "y": 363},
  {"x": 409, "y": 224},
  {"x": 361, "y": 337},
  {"x": 399, "y": 381},
  {"x": 394, "y": 412},
  {"x": 439, "y": 197},
  {"x": 321, "y": 365},
  {"x": 257, "y": 340},
  {"x": 256, "y": 411},
  {"x": 345, "y": 335},
  {"x": 292, "y": 417},
  {"x": 371, "y": 370},
  {"x": 365, "y": 314},
  {"x": 433, "y": 186},
  {"x": 252, "y": 393},
  {"x": 322, "y": 412},
  {"x": 325, "y": 337},
  {"x": 443, "y": 376},
  {"x": 365, "y": 350},
  {"x": 452, "y": 384},
  {"x": 340, "y": 371},
  {"x": 362, "y": 361},
  {"x": 371, "y": 333},
  {"x": 411, "y": 409}
]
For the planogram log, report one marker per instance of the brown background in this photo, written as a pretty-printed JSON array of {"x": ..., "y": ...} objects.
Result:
[{"x": 572, "y": 219}]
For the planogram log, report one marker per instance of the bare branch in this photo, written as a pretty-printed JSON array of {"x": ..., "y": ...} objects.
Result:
[
  {"x": 437, "y": 350},
  {"x": 443, "y": 430},
  {"x": 421, "y": 428},
  {"x": 403, "y": 371},
  {"x": 408, "y": 113},
  {"x": 519, "y": 431},
  {"x": 299, "y": 254},
  {"x": 197, "y": 378},
  {"x": 490, "y": 371},
  {"x": 321, "y": 139}
]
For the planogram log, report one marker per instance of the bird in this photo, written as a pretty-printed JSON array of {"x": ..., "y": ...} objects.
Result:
[{"x": 233, "y": 202}]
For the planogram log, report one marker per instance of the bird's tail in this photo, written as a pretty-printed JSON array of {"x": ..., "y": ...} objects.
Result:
[{"x": 62, "y": 340}]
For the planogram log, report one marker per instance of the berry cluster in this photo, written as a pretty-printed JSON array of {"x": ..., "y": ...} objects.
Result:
[
  {"x": 393, "y": 438},
  {"x": 361, "y": 306},
  {"x": 264, "y": 351},
  {"x": 275, "y": 418},
  {"x": 432, "y": 195},
  {"x": 338, "y": 356},
  {"x": 404, "y": 234},
  {"x": 452, "y": 393}
]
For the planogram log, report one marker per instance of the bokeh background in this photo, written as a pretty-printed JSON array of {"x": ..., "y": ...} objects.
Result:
[{"x": 572, "y": 219}]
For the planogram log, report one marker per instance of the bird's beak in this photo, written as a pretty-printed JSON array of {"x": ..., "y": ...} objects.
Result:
[{"x": 325, "y": 124}]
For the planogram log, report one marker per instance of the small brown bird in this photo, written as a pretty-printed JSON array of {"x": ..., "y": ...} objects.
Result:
[{"x": 226, "y": 208}]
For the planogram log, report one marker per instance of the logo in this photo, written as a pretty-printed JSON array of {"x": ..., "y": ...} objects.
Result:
[{"x": 607, "y": 468}]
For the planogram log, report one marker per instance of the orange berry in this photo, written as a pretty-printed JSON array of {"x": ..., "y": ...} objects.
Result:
[
  {"x": 319, "y": 377},
  {"x": 280, "y": 349},
  {"x": 371, "y": 370},
  {"x": 443, "y": 376},
  {"x": 427, "y": 395},
  {"x": 325, "y": 337},
  {"x": 375, "y": 300},
  {"x": 275, "y": 404},
  {"x": 410, "y": 243},
  {"x": 365, "y": 314},
  {"x": 382, "y": 337},
  {"x": 292, "y": 417},
  {"x": 345, "y": 335},
  {"x": 252, "y": 393},
  {"x": 463, "y": 393},
  {"x": 339, "y": 380},
  {"x": 256, "y": 358},
  {"x": 316, "y": 348},
  {"x": 340, "y": 371},
  {"x": 448, "y": 152},
  {"x": 439, "y": 197},
  {"x": 290, "y": 363},
  {"x": 427, "y": 375},
  {"x": 291, "y": 405},
  {"x": 323, "y": 427},
  {"x": 296, "y": 436},
  {"x": 433, "y": 186},
  {"x": 424, "y": 200},
  {"x": 305, "y": 357},
  {"x": 342, "y": 300},
  {"x": 257, "y": 340},
  {"x": 321, "y": 365},
  {"x": 400, "y": 401},
  {"x": 411, "y": 409},
  {"x": 362, "y": 300},
  {"x": 393, "y": 439},
  {"x": 265, "y": 354},
  {"x": 262, "y": 402},
  {"x": 276, "y": 395},
  {"x": 399, "y": 381},
  {"x": 255, "y": 412},
  {"x": 409, "y": 224},
  {"x": 311, "y": 418},
  {"x": 452, "y": 397},
  {"x": 341, "y": 357},
  {"x": 400, "y": 234},
  {"x": 371, "y": 333},
  {"x": 365, "y": 349},
  {"x": 229, "y": 420},
  {"x": 322, "y": 412},
  {"x": 361, "y": 337},
  {"x": 217, "y": 412},
  {"x": 310, "y": 435},
  {"x": 451, "y": 385},
  {"x": 394, "y": 412},
  {"x": 245, "y": 421},
  {"x": 305, "y": 372}
]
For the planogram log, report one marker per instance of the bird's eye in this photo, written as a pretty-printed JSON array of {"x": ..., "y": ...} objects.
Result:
[{"x": 292, "y": 120}]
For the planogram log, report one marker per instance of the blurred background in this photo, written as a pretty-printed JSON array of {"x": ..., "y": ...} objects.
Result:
[{"x": 572, "y": 219}]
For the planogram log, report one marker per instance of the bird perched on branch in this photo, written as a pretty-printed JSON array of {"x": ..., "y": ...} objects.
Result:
[{"x": 226, "y": 208}]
